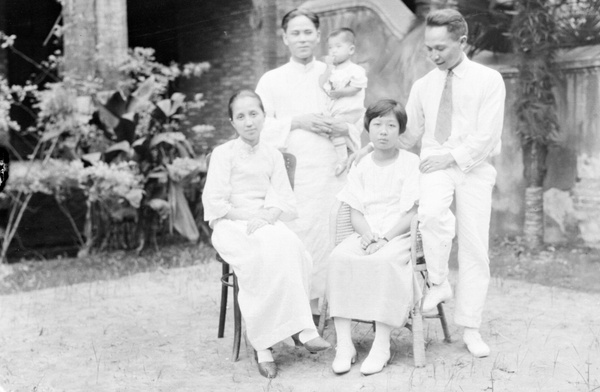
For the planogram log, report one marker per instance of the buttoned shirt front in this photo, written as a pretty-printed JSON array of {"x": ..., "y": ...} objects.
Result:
[{"x": 478, "y": 95}]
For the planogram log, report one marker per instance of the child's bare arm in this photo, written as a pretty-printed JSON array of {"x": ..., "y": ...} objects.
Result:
[
  {"x": 324, "y": 78},
  {"x": 361, "y": 226},
  {"x": 403, "y": 225},
  {"x": 347, "y": 91}
]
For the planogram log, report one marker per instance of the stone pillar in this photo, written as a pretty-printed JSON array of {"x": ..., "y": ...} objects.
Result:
[{"x": 95, "y": 38}]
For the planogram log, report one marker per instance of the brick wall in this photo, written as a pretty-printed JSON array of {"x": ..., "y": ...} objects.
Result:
[
  {"x": 241, "y": 39},
  {"x": 220, "y": 32}
]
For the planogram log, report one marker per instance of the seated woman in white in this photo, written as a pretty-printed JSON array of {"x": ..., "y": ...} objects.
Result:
[
  {"x": 370, "y": 275},
  {"x": 246, "y": 196}
]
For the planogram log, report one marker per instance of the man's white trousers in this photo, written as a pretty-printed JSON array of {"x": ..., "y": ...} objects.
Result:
[{"x": 438, "y": 225}]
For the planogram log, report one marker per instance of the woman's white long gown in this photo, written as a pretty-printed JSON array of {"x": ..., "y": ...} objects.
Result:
[{"x": 272, "y": 265}]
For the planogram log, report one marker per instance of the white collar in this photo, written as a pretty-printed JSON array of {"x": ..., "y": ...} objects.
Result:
[
  {"x": 244, "y": 148},
  {"x": 302, "y": 67}
]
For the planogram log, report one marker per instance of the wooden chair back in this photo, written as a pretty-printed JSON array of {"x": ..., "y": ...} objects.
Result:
[{"x": 290, "y": 166}]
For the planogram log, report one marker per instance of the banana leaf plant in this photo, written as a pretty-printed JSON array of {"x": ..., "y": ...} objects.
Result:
[
  {"x": 147, "y": 132},
  {"x": 530, "y": 30}
]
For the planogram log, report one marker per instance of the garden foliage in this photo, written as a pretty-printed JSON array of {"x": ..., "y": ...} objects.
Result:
[{"x": 128, "y": 150}]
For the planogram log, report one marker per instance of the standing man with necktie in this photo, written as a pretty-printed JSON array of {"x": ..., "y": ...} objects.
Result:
[{"x": 457, "y": 111}]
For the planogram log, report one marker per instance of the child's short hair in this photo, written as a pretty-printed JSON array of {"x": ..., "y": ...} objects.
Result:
[
  {"x": 383, "y": 107},
  {"x": 346, "y": 33}
]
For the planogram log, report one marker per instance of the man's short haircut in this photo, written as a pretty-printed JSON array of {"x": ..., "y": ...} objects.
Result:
[
  {"x": 383, "y": 107},
  {"x": 452, "y": 19},
  {"x": 346, "y": 33},
  {"x": 299, "y": 12}
]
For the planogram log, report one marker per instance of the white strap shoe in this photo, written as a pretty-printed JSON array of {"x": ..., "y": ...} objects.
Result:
[
  {"x": 437, "y": 294},
  {"x": 375, "y": 362},
  {"x": 345, "y": 356}
]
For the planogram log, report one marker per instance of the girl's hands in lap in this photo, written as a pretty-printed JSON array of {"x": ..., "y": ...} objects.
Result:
[
  {"x": 367, "y": 239},
  {"x": 255, "y": 224},
  {"x": 375, "y": 246}
]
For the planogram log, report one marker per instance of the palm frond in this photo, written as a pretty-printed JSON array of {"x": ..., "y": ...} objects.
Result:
[{"x": 489, "y": 23}]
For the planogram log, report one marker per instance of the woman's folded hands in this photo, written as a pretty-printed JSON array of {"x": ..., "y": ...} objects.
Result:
[
  {"x": 264, "y": 216},
  {"x": 255, "y": 224}
]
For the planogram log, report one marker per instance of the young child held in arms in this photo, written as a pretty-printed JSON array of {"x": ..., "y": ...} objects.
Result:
[{"x": 345, "y": 84}]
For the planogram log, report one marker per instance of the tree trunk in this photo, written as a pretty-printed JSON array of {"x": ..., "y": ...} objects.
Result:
[
  {"x": 534, "y": 160},
  {"x": 3, "y": 53},
  {"x": 95, "y": 41}
]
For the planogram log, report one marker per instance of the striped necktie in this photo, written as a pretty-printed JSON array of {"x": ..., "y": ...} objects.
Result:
[{"x": 443, "y": 124}]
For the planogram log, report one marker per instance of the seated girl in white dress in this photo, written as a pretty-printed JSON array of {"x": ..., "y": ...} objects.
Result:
[
  {"x": 246, "y": 197},
  {"x": 370, "y": 275}
]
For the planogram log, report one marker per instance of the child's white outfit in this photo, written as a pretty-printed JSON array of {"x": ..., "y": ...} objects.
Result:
[{"x": 349, "y": 109}]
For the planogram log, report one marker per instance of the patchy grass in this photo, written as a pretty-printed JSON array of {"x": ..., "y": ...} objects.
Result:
[
  {"x": 575, "y": 268},
  {"x": 41, "y": 274},
  {"x": 572, "y": 267}
]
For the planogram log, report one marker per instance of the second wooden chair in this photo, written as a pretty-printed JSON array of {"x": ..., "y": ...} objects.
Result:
[
  {"x": 341, "y": 227},
  {"x": 290, "y": 166}
]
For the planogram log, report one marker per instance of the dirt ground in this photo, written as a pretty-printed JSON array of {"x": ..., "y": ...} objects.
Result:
[{"x": 158, "y": 332}]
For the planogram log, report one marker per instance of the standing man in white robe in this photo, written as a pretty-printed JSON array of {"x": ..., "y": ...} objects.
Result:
[{"x": 294, "y": 103}]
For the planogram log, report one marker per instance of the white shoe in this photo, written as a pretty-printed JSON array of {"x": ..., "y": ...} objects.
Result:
[
  {"x": 475, "y": 343},
  {"x": 437, "y": 294},
  {"x": 375, "y": 362},
  {"x": 345, "y": 356}
]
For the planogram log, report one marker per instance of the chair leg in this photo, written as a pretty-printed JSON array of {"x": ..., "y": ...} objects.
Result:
[
  {"x": 237, "y": 321},
  {"x": 323, "y": 316},
  {"x": 442, "y": 314},
  {"x": 224, "y": 288},
  {"x": 418, "y": 338}
]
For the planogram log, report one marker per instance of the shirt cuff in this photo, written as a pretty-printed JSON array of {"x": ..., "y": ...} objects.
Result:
[{"x": 462, "y": 158}]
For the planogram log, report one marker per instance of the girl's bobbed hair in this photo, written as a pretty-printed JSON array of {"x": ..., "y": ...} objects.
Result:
[{"x": 383, "y": 107}]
